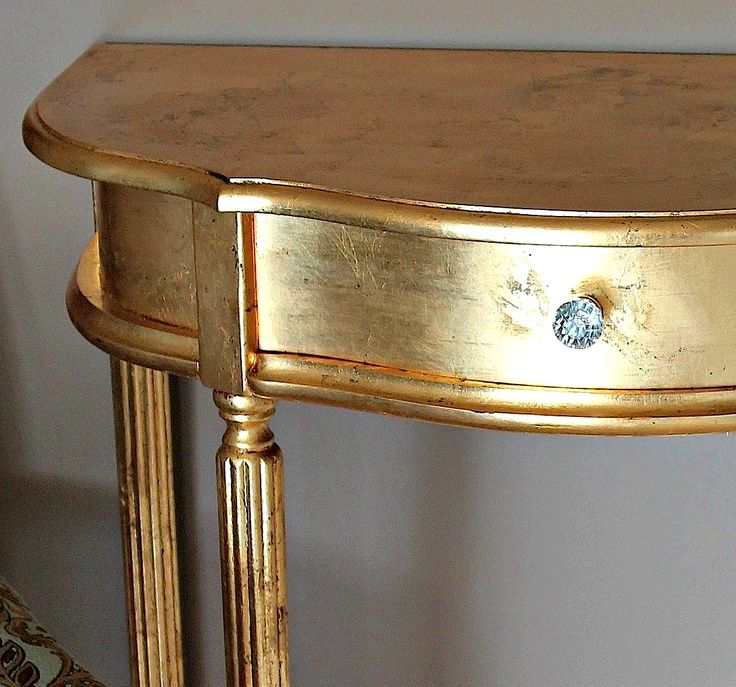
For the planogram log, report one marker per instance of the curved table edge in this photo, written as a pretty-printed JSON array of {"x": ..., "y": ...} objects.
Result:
[
  {"x": 137, "y": 342},
  {"x": 74, "y": 157},
  {"x": 499, "y": 225},
  {"x": 494, "y": 406}
]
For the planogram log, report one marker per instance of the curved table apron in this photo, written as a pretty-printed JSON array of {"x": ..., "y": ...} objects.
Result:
[{"x": 394, "y": 231}]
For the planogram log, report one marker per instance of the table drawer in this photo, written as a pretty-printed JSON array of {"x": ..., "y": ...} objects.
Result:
[{"x": 484, "y": 311}]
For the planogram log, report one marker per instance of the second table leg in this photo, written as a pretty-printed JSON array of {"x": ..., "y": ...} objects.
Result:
[
  {"x": 252, "y": 545},
  {"x": 145, "y": 469}
]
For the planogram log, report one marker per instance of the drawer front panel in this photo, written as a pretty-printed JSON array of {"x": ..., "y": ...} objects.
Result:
[{"x": 484, "y": 311}]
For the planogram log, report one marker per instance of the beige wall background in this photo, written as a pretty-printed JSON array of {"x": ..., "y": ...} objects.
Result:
[{"x": 418, "y": 555}]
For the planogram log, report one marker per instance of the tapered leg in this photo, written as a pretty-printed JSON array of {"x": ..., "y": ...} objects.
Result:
[
  {"x": 145, "y": 470},
  {"x": 252, "y": 546}
]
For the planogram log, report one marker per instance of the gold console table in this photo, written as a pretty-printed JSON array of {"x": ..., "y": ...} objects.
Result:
[{"x": 516, "y": 240}]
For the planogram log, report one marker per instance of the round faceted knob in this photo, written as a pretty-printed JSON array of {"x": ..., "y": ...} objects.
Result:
[{"x": 578, "y": 323}]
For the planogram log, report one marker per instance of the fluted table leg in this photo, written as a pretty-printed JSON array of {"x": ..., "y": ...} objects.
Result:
[
  {"x": 143, "y": 434},
  {"x": 252, "y": 546}
]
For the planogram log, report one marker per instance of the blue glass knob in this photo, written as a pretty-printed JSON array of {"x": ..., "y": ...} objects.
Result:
[{"x": 578, "y": 323}]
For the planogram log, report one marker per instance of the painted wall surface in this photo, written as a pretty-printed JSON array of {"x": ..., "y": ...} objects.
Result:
[{"x": 418, "y": 555}]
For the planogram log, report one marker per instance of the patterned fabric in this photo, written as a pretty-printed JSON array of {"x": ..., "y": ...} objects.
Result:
[{"x": 28, "y": 656}]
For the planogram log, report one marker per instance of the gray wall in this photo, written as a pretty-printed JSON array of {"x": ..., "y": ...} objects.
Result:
[{"x": 419, "y": 555}]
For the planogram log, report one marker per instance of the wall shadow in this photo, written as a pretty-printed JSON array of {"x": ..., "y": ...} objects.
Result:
[
  {"x": 65, "y": 561},
  {"x": 11, "y": 424}
]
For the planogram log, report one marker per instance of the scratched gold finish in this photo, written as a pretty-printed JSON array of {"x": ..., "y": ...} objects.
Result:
[
  {"x": 484, "y": 311},
  {"x": 385, "y": 230}
]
